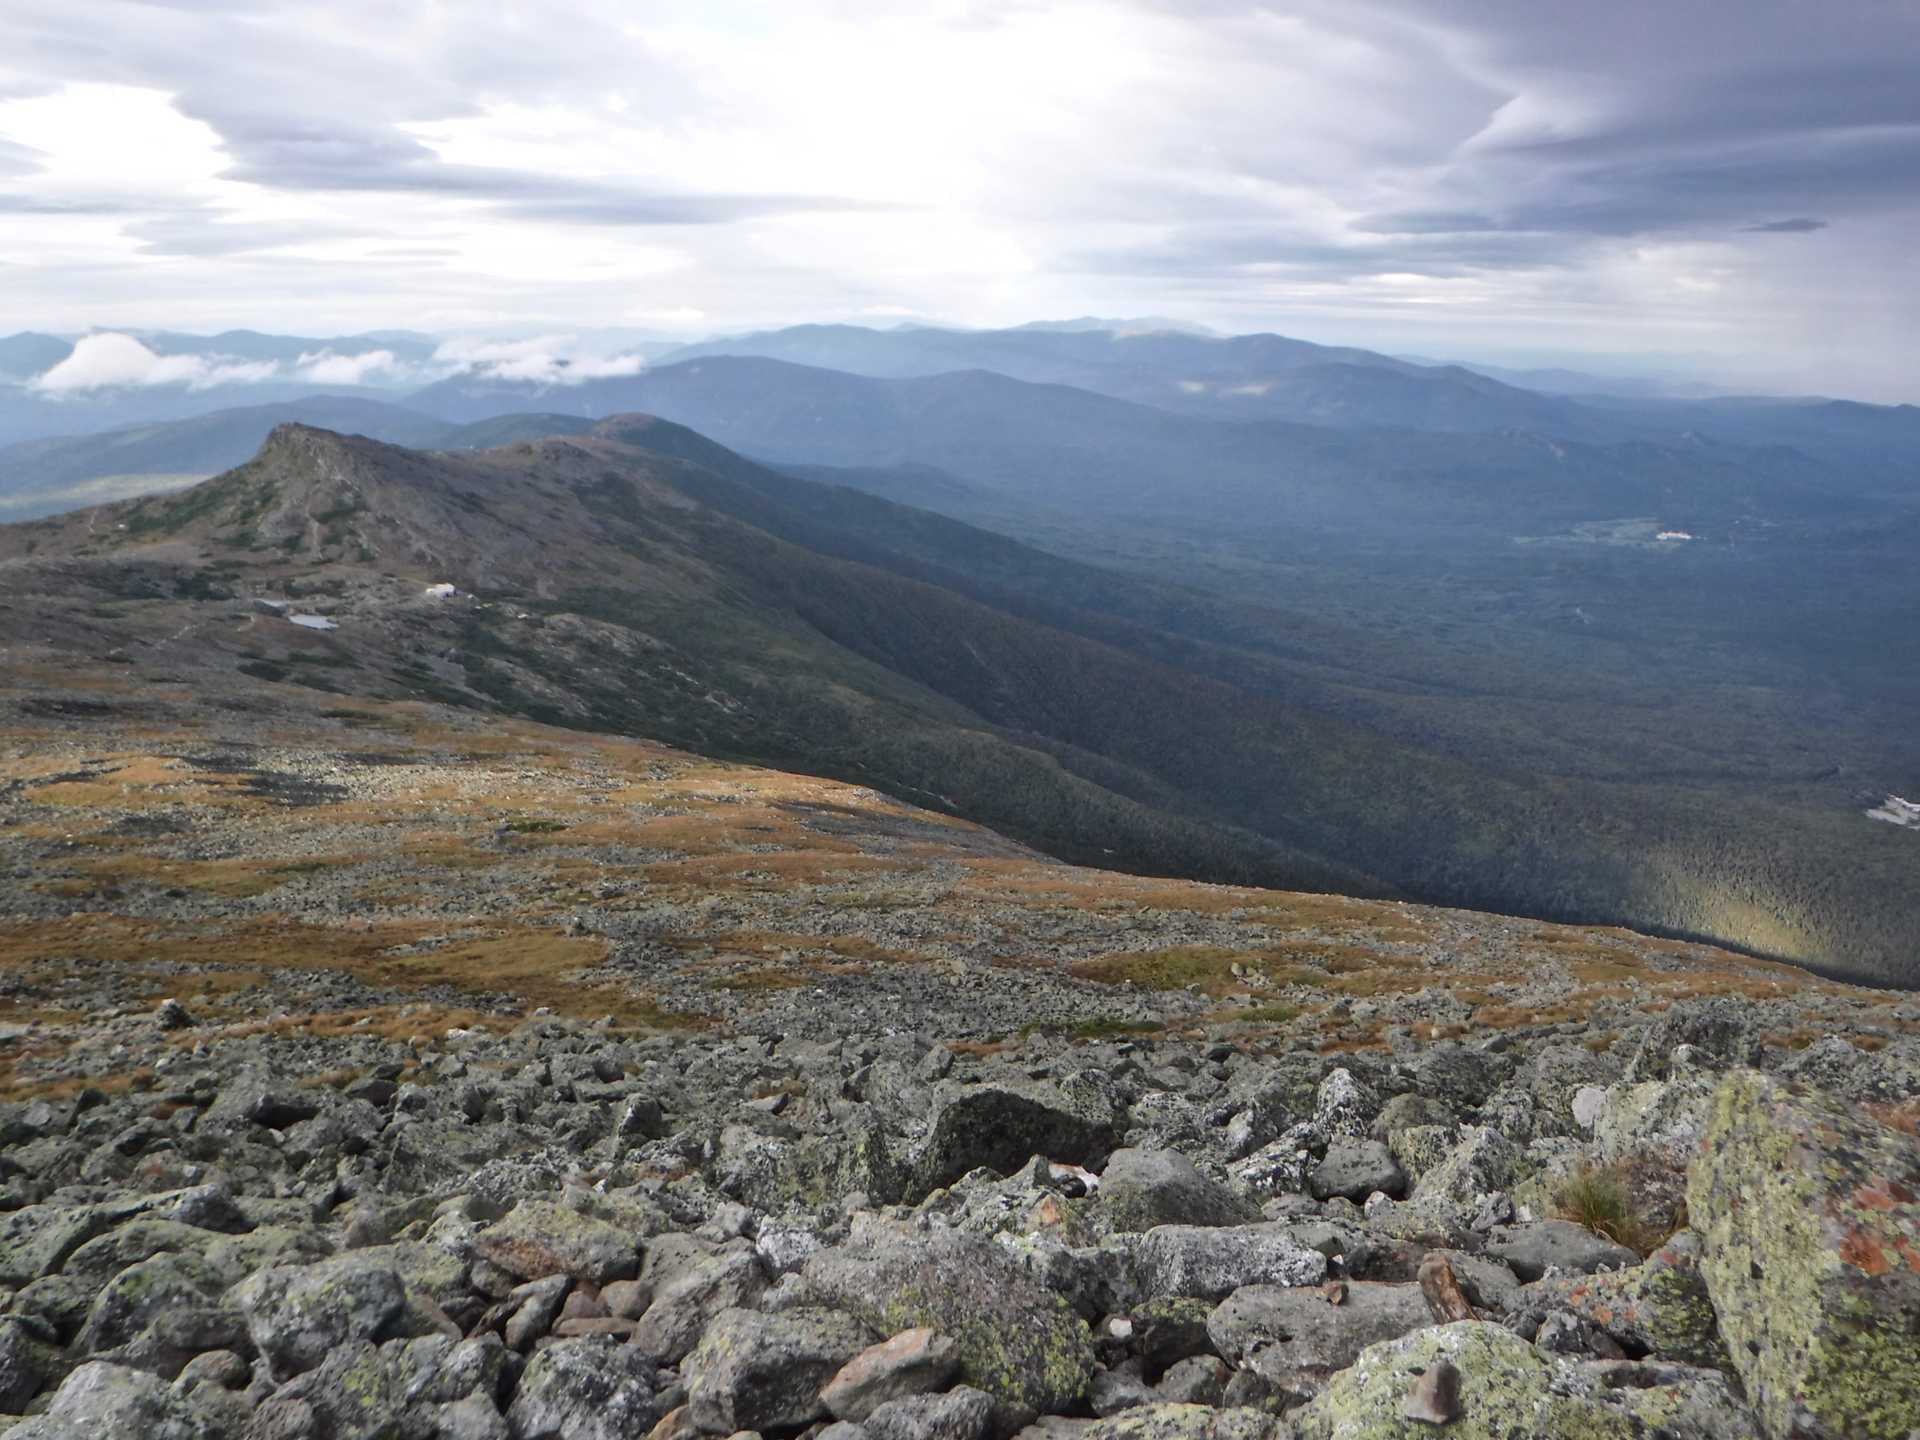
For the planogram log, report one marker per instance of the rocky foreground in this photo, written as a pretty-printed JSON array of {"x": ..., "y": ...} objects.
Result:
[{"x": 387, "y": 1073}]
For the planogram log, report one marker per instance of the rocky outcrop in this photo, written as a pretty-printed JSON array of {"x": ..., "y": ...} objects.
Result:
[{"x": 1808, "y": 1211}]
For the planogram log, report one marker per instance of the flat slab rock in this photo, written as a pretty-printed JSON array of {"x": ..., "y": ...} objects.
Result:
[{"x": 1296, "y": 1338}]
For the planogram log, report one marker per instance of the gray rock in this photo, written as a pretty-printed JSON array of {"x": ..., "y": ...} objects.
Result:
[
  {"x": 474, "y": 1418},
  {"x": 960, "y": 1414},
  {"x": 1210, "y": 1263},
  {"x": 297, "y": 1314},
  {"x": 1119, "y": 1389},
  {"x": 1296, "y": 1339},
  {"x": 1356, "y": 1169},
  {"x": 536, "y": 1305},
  {"x": 1017, "y": 1341},
  {"x": 1508, "y": 1388},
  {"x": 1282, "y": 1166},
  {"x": 1183, "y": 1422},
  {"x": 540, "y": 1238},
  {"x": 1196, "y": 1380},
  {"x": 765, "y": 1372},
  {"x": 1344, "y": 1106},
  {"x": 161, "y": 1312},
  {"x": 585, "y": 1389},
  {"x": 98, "y": 1401},
  {"x": 914, "y": 1362},
  {"x": 693, "y": 1281},
  {"x": 26, "y": 1360},
  {"x": 1528, "y": 1250},
  {"x": 1715, "y": 1032},
  {"x": 1144, "y": 1188},
  {"x": 998, "y": 1125},
  {"x": 1480, "y": 1162}
]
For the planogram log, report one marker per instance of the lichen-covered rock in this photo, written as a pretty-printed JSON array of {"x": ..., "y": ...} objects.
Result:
[
  {"x": 1808, "y": 1212},
  {"x": 914, "y": 1362},
  {"x": 1144, "y": 1188},
  {"x": 1296, "y": 1338},
  {"x": 1001, "y": 1123},
  {"x": 353, "y": 1394},
  {"x": 1481, "y": 1161},
  {"x": 98, "y": 1401},
  {"x": 1656, "y": 1120},
  {"x": 692, "y": 1281},
  {"x": 1660, "y": 1308},
  {"x": 960, "y": 1414},
  {"x": 297, "y": 1314},
  {"x": 1281, "y": 1166},
  {"x": 1184, "y": 1422},
  {"x": 1210, "y": 1263},
  {"x": 1711, "y": 1033},
  {"x": 765, "y": 1372},
  {"x": 1344, "y": 1106},
  {"x": 1508, "y": 1390},
  {"x": 585, "y": 1389},
  {"x": 1532, "y": 1249},
  {"x": 540, "y": 1238},
  {"x": 1355, "y": 1169},
  {"x": 772, "y": 1173},
  {"x": 161, "y": 1312},
  {"x": 1017, "y": 1341}
]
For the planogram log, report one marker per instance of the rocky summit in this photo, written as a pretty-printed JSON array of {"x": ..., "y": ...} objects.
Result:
[{"x": 376, "y": 1070}]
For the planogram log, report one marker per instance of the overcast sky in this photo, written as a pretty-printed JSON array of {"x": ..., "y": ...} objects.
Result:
[{"x": 1732, "y": 184}]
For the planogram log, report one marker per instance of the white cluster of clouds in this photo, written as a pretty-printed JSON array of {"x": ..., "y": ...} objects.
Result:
[
  {"x": 111, "y": 360},
  {"x": 542, "y": 360}
]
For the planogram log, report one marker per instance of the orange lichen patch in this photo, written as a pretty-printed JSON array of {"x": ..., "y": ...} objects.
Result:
[
  {"x": 1882, "y": 1195},
  {"x": 1863, "y": 1250},
  {"x": 1903, "y": 1115}
]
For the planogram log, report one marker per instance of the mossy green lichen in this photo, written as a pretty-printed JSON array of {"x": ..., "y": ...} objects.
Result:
[
  {"x": 1809, "y": 1214},
  {"x": 1507, "y": 1389}
]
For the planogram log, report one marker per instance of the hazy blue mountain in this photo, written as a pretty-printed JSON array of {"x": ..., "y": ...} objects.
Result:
[
  {"x": 1060, "y": 447},
  {"x": 1245, "y": 377},
  {"x": 28, "y": 354}
]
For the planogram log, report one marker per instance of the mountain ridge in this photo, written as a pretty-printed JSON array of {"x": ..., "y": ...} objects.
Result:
[{"x": 685, "y": 593}]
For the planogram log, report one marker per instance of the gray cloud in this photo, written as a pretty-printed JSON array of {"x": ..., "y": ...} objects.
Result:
[{"x": 1256, "y": 145}]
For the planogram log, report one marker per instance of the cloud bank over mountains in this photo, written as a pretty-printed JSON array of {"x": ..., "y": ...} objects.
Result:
[{"x": 110, "y": 360}]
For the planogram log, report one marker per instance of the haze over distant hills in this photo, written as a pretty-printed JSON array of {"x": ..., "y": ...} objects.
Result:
[{"x": 1314, "y": 615}]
